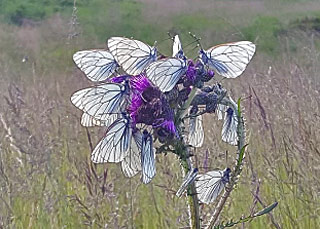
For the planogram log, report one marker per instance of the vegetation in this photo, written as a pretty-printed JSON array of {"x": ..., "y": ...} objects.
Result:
[{"x": 47, "y": 180}]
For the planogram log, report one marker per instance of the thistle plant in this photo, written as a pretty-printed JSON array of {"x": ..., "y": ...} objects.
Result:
[{"x": 153, "y": 106}]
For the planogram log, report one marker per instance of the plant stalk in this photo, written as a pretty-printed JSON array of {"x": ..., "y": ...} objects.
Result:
[
  {"x": 238, "y": 167},
  {"x": 186, "y": 163}
]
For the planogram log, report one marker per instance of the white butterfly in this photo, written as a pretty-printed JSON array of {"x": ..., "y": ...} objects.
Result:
[
  {"x": 230, "y": 59},
  {"x": 147, "y": 158},
  {"x": 229, "y": 129},
  {"x": 221, "y": 109},
  {"x": 102, "y": 100},
  {"x": 98, "y": 65},
  {"x": 196, "y": 133},
  {"x": 177, "y": 51},
  {"x": 131, "y": 164},
  {"x": 189, "y": 178},
  {"x": 115, "y": 145},
  {"x": 210, "y": 185},
  {"x": 89, "y": 121},
  {"x": 132, "y": 55},
  {"x": 166, "y": 73}
]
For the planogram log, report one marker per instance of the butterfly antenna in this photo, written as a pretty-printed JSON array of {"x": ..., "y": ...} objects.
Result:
[
  {"x": 170, "y": 36},
  {"x": 192, "y": 43},
  {"x": 190, "y": 50},
  {"x": 197, "y": 39}
]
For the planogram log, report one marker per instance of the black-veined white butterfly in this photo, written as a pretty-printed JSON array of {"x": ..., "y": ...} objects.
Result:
[
  {"x": 229, "y": 129},
  {"x": 102, "y": 100},
  {"x": 190, "y": 177},
  {"x": 230, "y": 59},
  {"x": 147, "y": 158},
  {"x": 132, "y": 55},
  {"x": 89, "y": 121},
  {"x": 131, "y": 164},
  {"x": 210, "y": 185},
  {"x": 114, "y": 146},
  {"x": 196, "y": 133},
  {"x": 221, "y": 109},
  {"x": 98, "y": 65},
  {"x": 166, "y": 73},
  {"x": 177, "y": 51}
]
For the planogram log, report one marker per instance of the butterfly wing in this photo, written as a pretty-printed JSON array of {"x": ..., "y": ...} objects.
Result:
[
  {"x": 132, "y": 55},
  {"x": 115, "y": 144},
  {"x": 89, "y": 121},
  {"x": 190, "y": 177},
  {"x": 166, "y": 73},
  {"x": 131, "y": 164},
  {"x": 102, "y": 100},
  {"x": 221, "y": 109},
  {"x": 229, "y": 129},
  {"x": 231, "y": 59},
  {"x": 147, "y": 158},
  {"x": 177, "y": 51},
  {"x": 209, "y": 186},
  {"x": 196, "y": 133},
  {"x": 98, "y": 65}
]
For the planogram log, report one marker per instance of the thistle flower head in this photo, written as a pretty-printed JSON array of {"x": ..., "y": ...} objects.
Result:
[{"x": 149, "y": 105}]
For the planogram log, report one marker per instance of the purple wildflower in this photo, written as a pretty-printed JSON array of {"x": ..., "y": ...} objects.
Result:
[
  {"x": 191, "y": 71},
  {"x": 208, "y": 76},
  {"x": 149, "y": 105},
  {"x": 140, "y": 82},
  {"x": 136, "y": 102}
]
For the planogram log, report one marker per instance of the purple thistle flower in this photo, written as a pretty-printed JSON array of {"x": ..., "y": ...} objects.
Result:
[
  {"x": 191, "y": 71},
  {"x": 150, "y": 106},
  {"x": 140, "y": 82},
  {"x": 136, "y": 102},
  {"x": 208, "y": 76}
]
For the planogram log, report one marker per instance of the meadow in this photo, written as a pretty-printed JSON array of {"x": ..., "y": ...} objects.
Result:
[{"x": 46, "y": 177}]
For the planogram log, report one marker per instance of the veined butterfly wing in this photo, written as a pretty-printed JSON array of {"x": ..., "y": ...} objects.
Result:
[
  {"x": 190, "y": 177},
  {"x": 210, "y": 185},
  {"x": 147, "y": 158},
  {"x": 221, "y": 109},
  {"x": 89, "y": 121},
  {"x": 114, "y": 146},
  {"x": 196, "y": 133},
  {"x": 166, "y": 73},
  {"x": 131, "y": 164},
  {"x": 102, "y": 100},
  {"x": 132, "y": 55},
  {"x": 230, "y": 59},
  {"x": 229, "y": 129},
  {"x": 97, "y": 65}
]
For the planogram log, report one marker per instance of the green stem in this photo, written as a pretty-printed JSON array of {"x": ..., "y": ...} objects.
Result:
[
  {"x": 186, "y": 163},
  {"x": 193, "y": 201},
  {"x": 238, "y": 167}
]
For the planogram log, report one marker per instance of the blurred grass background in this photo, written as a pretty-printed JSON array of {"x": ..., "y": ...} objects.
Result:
[{"x": 46, "y": 178}]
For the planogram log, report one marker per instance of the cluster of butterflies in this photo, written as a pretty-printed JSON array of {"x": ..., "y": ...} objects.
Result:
[{"x": 105, "y": 104}]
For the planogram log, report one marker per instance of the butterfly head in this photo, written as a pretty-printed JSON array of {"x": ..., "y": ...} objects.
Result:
[
  {"x": 154, "y": 53},
  {"x": 203, "y": 56},
  {"x": 226, "y": 175}
]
